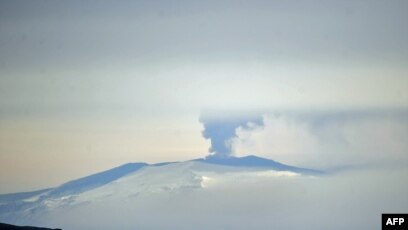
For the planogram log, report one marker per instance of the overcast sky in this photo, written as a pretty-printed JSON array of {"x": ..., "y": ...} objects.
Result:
[{"x": 88, "y": 85}]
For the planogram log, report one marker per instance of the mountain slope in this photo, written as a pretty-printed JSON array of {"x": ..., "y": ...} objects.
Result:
[
  {"x": 4, "y": 198},
  {"x": 95, "y": 180}
]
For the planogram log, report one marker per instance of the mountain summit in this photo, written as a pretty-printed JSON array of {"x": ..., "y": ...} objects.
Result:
[{"x": 257, "y": 162}]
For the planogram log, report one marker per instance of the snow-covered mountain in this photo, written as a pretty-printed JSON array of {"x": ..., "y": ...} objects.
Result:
[{"x": 139, "y": 181}]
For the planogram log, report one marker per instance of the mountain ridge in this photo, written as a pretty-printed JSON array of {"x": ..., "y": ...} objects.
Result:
[{"x": 255, "y": 161}]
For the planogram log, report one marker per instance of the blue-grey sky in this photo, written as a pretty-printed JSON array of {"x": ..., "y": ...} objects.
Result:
[{"x": 109, "y": 82}]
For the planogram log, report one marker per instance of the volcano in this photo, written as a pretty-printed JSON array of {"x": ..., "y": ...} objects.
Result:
[{"x": 135, "y": 182}]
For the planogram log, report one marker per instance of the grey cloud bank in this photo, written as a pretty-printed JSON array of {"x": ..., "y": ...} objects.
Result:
[{"x": 74, "y": 56}]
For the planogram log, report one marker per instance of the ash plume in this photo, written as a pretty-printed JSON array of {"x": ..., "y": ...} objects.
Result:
[{"x": 220, "y": 128}]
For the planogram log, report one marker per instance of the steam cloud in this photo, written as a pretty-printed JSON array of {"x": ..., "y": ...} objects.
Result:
[{"x": 328, "y": 140}]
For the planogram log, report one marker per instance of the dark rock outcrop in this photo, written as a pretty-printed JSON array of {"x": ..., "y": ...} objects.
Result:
[{"x": 14, "y": 227}]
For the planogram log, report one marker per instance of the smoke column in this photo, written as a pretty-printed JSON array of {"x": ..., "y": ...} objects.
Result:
[{"x": 221, "y": 129}]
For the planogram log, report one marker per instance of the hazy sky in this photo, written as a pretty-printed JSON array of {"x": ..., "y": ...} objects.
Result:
[{"x": 88, "y": 85}]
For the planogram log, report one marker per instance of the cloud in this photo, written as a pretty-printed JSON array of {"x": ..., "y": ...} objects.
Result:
[{"x": 327, "y": 140}]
